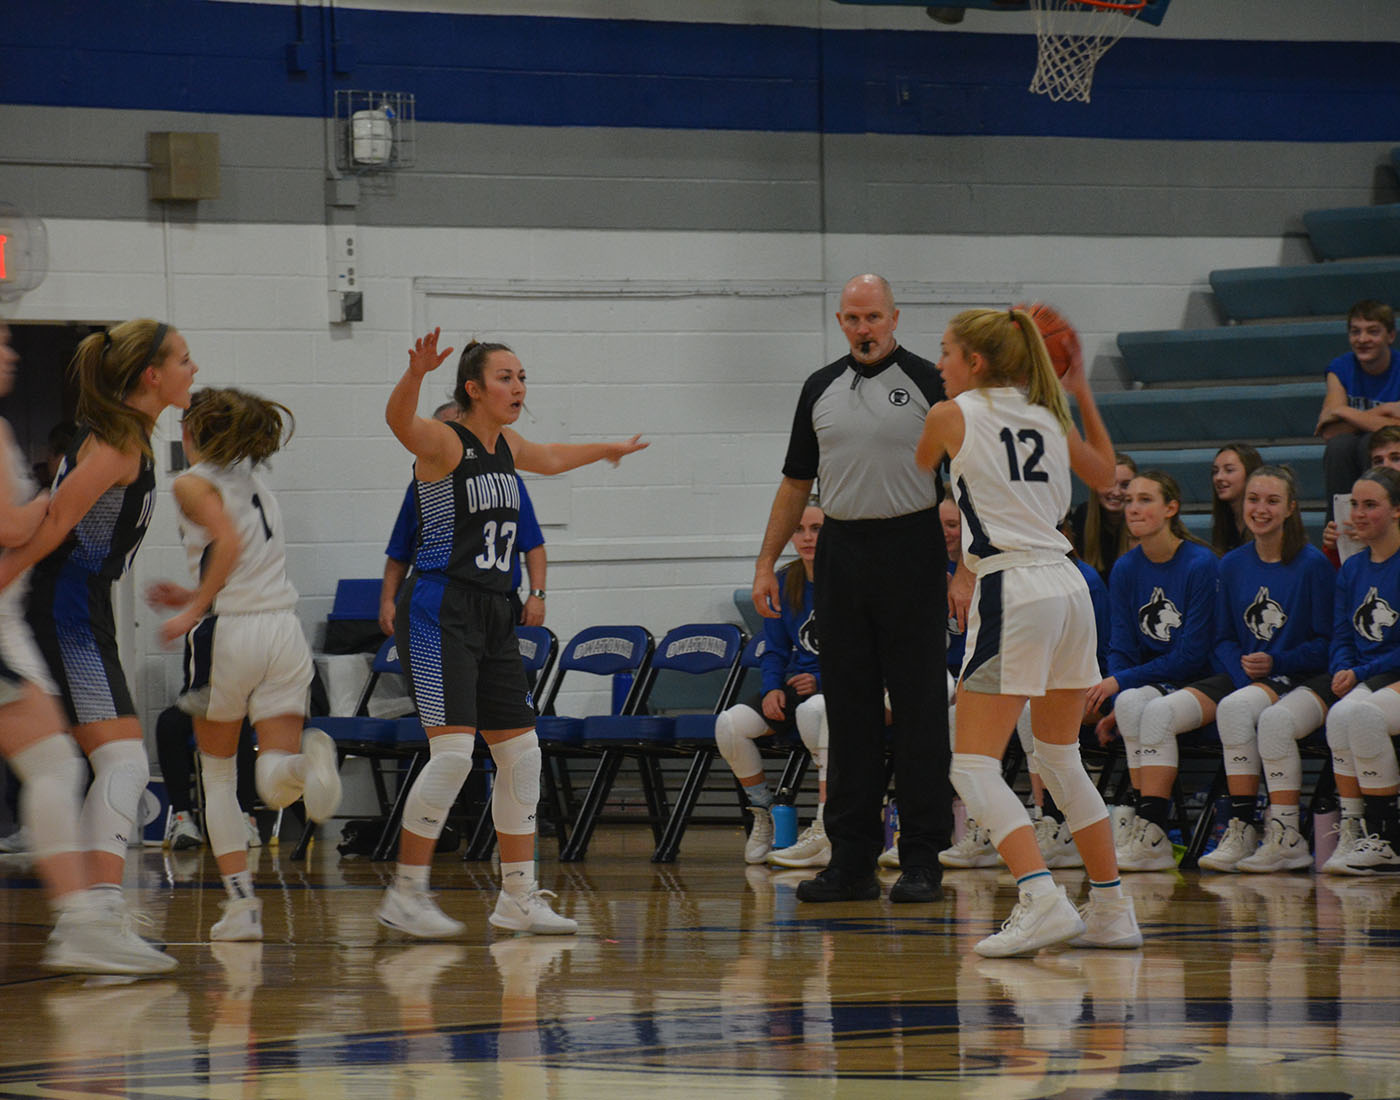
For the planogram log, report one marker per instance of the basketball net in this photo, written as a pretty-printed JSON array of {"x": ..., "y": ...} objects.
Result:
[{"x": 1065, "y": 61}]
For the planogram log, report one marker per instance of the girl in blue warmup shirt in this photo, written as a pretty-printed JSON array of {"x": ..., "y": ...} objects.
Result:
[
  {"x": 1162, "y": 608},
  {"x": 1355, "y": 697},
  {"x": 1273, "y": 624},
  {"x": 790, "y": 697}
]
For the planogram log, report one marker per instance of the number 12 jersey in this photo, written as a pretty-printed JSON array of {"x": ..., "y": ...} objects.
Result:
[{"x": 1011, "y": 476}]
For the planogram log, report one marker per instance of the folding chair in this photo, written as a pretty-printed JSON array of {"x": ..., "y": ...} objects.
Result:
[
  {"x": 708, "y": 650},
  {"x": 380, "y": 740},
  {"x": 539, "y": 649},
  {"x": 599, "y": 651}
]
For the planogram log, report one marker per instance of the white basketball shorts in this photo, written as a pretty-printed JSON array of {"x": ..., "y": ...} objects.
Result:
[
  {"x": 1031, "y": 630},
  {"x": 256, "y": 665}
]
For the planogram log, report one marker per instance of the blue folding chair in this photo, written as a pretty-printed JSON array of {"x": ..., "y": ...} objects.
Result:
[
  {"x": 380, "y": 740},
  {"x": 705, "y": 652},
  {"x": 605, "y": 652}
]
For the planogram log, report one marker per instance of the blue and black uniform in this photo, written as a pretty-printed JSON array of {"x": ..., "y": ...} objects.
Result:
[
  {"x": 454, "y": 612},
  {"x": 1366, "y": 622},
  {"x": 791, "y": 648},
  {"x": 70, "y": 594},
  {"x": 881, "y": 595}
]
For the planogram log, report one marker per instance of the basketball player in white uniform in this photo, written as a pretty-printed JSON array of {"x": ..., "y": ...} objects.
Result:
[
  {"x": 1031, "y": 628},
  {"x": 245, "y": 653}
]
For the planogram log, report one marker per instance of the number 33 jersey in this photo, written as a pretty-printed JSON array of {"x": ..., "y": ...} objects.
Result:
[
  {"x": 467, "y": 520},
  {"x": 259, "y": 578},
  {"x": 1012, "y": 478}
]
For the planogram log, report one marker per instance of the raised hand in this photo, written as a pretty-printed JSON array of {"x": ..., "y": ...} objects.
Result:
[{"x": 424, "y": 356}]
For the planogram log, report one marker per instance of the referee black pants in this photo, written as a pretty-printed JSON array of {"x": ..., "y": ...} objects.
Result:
[{"x": 881, "y": 610}]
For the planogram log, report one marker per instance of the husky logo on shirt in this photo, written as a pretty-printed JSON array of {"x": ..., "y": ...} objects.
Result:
[
  {"x": 899, "y": 397},
  {"x": 1265, "y": 616},
  {"x": 1373, "y": 617},
  {"x": 807, "y": 634},
  {"x": 1158, "y": 617}
]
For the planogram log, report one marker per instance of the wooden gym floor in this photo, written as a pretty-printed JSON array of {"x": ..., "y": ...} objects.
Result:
[{"x": 706, "y": 978}]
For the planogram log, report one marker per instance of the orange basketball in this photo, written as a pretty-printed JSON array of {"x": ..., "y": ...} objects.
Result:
[{"x": 1061, "y": 341}]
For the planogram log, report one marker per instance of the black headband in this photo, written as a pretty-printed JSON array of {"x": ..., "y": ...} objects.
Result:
[{"x": 161, "y": 331}]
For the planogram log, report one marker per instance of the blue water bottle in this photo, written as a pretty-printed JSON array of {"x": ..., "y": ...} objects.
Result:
[{"x": 784, "y": 820}]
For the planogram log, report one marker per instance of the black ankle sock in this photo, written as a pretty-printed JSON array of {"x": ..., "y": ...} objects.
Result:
[
  {"x": 1242, "y": 807},
  {"x": 1153, "y": 809},
  {"x": 1381, "y": 815}
]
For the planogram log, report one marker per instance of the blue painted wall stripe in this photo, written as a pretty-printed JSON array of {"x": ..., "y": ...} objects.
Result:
[{"x": 190, "y": 55}]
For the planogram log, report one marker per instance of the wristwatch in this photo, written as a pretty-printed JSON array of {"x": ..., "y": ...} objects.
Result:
[{"x": 537, "y": 593}]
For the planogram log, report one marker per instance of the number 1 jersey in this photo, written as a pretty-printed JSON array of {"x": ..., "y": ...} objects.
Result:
[
  {"x": 467, "y": 520},
  {"x": 258, "y": 581},
  {"x": 1011, "y": 476}
]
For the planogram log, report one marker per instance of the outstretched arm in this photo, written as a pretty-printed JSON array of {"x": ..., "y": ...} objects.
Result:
[
  {"x": 558, "y": 458},
  {"x": 99, "y": 467}
]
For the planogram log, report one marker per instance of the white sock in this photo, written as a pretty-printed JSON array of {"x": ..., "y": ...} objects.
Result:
[
  {"x": 1286, "y": 814},
  {"x": 517, "y": 878},
  {"x": 239, "y": 884},
  {"x": 411, "y": 878}
]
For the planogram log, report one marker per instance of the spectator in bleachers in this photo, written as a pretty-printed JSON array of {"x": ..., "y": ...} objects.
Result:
[
  {"x": 1357, "y": 699},
  {"x": 789, "y": 698},
  {"x": 1100, "y": 535},
  {"x": 1385, "y": 451},
  {"x": 1231, "y": 468},
  {"x": 1273, "y": 621},
  {"x": 1162, "y": 609},
  {"x": 1363, "y": 394}
]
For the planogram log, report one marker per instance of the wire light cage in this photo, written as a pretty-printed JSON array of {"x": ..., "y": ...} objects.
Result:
[
  {"x": 374, "y": 131},
  {"x": 1071, "y": 36}
]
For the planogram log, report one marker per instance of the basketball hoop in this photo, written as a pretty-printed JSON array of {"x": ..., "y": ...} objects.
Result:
[{"x": 1065, "y": 61}]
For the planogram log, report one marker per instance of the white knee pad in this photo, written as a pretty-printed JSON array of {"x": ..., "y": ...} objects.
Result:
[
  {"x": 1339, "y": 735},
  {"x": 223, "y": 818},
  {"x": 435, "y": 789},
  {"x": 1127, "y": 709},
  {"x": 1367, "y": 732},
  {"x": 1026, "y": 736},
  {"x": 1162, "y": 721},
  {"x": 516, "y": 793},
  {"x": 811, "y": 725},
  {"x": 1237, "y": 719},
  {"x": 120, "y": 774},
  {"x": 988, "y": 799},
  {"x": 276, "y": 779},
  {"x": 1281, "y": 727},
  {"x": 1075, "y": 794},
  {"x": 52, "y": 772},
  {"x": 735, "y": 730}
]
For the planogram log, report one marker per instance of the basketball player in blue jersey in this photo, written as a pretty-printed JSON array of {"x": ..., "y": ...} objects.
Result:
[
  {"x": 246, "y": 655},
  {"x": 454, "y": 627},
  {"x": 1030, "y": 634},
  {"x": 101, "y": 505},
  {"x": 89, "y": 935},
  {"x": 1162, "y": 605}
]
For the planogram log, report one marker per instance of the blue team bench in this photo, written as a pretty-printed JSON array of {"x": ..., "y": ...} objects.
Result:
[
  {"x": 1354, "y": 231},
  {"x": 1261, "y": 353},
  {"x": 1315, "y": 290},
  {"x": 1283, "y": 411}
]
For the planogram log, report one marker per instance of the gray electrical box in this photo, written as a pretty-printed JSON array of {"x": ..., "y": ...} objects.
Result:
[{"x": 184, "y": 166}]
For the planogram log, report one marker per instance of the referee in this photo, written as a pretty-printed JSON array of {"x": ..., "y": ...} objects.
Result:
[{"x": 880, "y": 599}]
